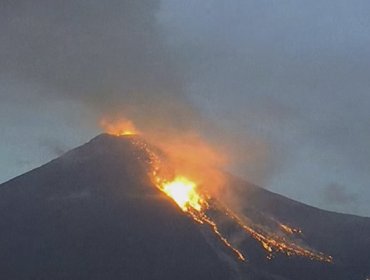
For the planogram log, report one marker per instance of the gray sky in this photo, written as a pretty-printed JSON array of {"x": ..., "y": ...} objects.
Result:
[{"x": 287, "y": 81}]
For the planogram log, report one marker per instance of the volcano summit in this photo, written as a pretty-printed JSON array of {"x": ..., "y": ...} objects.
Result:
[{"x": 101, "y": 211}]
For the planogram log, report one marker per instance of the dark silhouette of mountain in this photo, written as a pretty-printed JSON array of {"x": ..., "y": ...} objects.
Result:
[{"x": 94, "y": 214}]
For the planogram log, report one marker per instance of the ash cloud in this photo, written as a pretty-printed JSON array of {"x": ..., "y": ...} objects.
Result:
[
  {"x": 109, "y": 55},
  {"x": 114, "y": 58}
]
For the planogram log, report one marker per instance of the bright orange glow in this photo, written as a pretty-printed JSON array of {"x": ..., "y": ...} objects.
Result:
[
  {"x": 183, "y": 192},
  {"x": 186, "y": 168},
  {"x": 193, "y": 157},
  {"x": 121, "y": 127}
]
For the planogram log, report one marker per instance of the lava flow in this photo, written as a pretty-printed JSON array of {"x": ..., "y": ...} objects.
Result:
[
  {"x": 195, "y": 203},
  {"x": 199, "y": 205},
  {"x": 184, "y": 192}
]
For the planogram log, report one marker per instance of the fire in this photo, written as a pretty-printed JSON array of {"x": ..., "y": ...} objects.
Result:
[
  {"x": 183, "y": 192},
  {"x": 181, "y": 173},
  {"x": 121, "y": 127},
  {"x": 196, "y": 203}
]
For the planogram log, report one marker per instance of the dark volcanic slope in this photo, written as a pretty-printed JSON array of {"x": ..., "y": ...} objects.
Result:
[
  {"x": 345, "y": 237},
  {"x": 91, "y": 215}
]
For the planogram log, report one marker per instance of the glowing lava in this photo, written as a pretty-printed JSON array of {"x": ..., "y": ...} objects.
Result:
[
  {"x": 121, "y": 127},
  {"x": 197, "y": 205},
  {"x": 183, "y": 192},
  {"x": 201, "y": 207}
]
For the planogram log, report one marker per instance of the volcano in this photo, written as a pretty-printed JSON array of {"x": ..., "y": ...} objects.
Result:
[{"x": 94, "y": 213}]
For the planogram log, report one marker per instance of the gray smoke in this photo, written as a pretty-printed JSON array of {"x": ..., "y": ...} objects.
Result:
[{"x": 109, "y": 55}]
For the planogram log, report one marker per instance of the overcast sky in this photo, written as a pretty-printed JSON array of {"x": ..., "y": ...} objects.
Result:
[{"x": 291, "y": 77}]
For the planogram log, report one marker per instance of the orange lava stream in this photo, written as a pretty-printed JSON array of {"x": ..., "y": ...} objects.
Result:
[
  {"x": 278, "y": 244},
  {"x": 222, "y": 238},
  {"x": 184, "y": 192}
]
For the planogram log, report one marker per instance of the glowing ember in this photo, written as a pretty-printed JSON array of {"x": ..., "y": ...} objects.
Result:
[
  {"x": 289, "y": 229},
  {"x": 183, "y": 192}
]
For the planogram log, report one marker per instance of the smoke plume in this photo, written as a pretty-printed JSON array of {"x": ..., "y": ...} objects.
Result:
[{"x": 113, "y": 58}]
